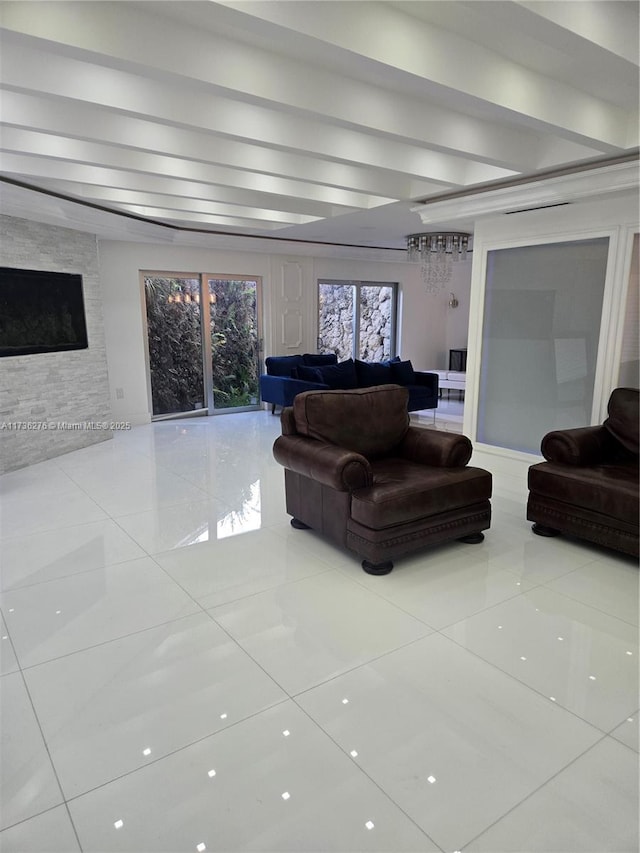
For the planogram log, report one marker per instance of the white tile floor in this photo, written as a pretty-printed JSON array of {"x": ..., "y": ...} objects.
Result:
[{"x": 183, "y": 671}]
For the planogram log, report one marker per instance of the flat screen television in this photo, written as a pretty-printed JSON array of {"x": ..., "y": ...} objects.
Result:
[{"x": 41, "y": 312}]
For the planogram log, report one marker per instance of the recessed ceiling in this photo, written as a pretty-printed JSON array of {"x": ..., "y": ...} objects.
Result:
[{"x": 306, "y": 120}]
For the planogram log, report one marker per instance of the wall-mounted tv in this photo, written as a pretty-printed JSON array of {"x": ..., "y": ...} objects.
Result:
[{"x": 41, "y": 312}]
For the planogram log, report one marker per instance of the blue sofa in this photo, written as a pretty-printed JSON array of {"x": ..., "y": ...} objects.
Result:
[{"x": 289, "y": 375}]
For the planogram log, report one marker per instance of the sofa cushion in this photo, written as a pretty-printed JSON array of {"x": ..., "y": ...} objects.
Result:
[
  {"x": 282, "y": 365},
  {"x": 373, "y": 373},
  {"x": 624, "y": 416},
  {"x": 609, "y": 490},
  {"x": 342, "y": 375},
  {"x": 287, "y": 365},
  {"x": 309, "y": 374},
  {"x": 402, "y": 372},
  {"x": 312, "y": 359},
  {"x": 405, "y": 491},
  {"x": 370, "y": 421}
]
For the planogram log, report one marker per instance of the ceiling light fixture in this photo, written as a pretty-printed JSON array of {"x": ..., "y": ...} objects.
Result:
[{"x": 436, "y": 251}]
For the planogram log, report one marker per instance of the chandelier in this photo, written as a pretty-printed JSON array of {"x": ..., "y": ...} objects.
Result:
[{"x": 436, "y": 253}]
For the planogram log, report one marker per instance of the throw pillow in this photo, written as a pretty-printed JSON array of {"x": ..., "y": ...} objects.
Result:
[
  {"x": 402, "y": 372},
  {"x": 373, "y": 373},
  {"x": 309, "y": 374},
  {"x": 282, "y": 365},
  {"x": 341, "y": 376},
  {"x": 312, "y": 359}
]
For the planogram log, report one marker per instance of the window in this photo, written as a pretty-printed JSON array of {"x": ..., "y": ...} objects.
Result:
[{"x": 357, "y": 319}]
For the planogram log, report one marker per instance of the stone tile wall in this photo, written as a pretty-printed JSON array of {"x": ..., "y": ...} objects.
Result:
[{"x": 53, "y": 388}]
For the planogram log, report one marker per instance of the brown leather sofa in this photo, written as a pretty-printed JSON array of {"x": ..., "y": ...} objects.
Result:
[
  {"x": 588, "y": 487},
  {"x": 358, "y": 473}
]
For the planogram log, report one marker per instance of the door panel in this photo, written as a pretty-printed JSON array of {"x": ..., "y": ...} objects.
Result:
[
  {"x": 175, "y": 344},
  {"x": 235, "y": 338}
]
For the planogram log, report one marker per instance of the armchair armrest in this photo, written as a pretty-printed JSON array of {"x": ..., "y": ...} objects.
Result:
[
  {"x": 430, "y": 380},
  {"x": 440, "y": 449},
  {"x": 333, "y": 466},
  {"x": 579, "y": 446}
]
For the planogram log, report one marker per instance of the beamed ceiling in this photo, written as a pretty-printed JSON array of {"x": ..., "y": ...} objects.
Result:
[{"x": 315, "y": 121}]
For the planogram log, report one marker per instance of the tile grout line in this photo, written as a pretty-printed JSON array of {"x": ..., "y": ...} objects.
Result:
[
  {"x": 46, "y": 746},
  {"x": 535, "y": 790},
  {"x": 385, "y": 793}
]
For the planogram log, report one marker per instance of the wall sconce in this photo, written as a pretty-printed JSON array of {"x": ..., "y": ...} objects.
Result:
[{"x": 453, "y": 302}]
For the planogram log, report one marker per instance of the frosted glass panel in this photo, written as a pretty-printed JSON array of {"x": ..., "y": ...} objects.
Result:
[{"x": 543, "y": 307}]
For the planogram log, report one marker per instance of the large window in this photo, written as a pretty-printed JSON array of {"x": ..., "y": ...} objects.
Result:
[
  {"x": 203, "y": 340},
  {"x": 357, "y": 319}
]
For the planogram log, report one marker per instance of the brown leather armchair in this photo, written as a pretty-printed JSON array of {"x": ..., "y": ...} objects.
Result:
[
  {"x": 358, "y": 473},
  {"x": 588, "y": 487}
]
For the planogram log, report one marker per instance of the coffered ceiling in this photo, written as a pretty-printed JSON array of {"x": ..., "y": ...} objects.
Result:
[{"x": 313, "y": 120}]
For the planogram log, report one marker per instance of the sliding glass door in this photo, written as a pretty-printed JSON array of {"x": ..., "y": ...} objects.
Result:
[
  {"x": 203, "y": 337},
  {"x": 174, "y": 336},
  {"x": 235, "y": 341}
]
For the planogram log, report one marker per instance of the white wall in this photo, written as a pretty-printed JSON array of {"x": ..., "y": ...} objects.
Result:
[
  {"x": 123, "y": 309},
  {"x": 289, "y": 307},
  {"x": 458, "y": 318}
]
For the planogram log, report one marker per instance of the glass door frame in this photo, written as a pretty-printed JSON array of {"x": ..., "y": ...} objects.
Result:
[{"x": 209, "y": 407}]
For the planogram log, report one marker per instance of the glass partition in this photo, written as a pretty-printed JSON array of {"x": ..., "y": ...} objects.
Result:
[{"x": 543, "y": 307}]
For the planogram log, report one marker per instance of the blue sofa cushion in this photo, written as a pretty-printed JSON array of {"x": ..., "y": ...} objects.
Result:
[
  {"x": 312, "y": 359},
  {"x": 287, "y": 365},
  {"x": 309, "y": 374},
  {"x": 339, "y": 376},
  {"x": 402, "y": 372},
  {"x": 374, "y": 373},
  {"x": 282, "y": 365}
]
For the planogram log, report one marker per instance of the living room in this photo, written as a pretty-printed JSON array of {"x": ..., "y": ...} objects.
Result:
[{"x": 181, "y": 669}]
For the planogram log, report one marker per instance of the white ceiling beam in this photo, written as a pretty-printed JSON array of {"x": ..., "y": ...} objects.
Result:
[
  {"x": 23, "y": 70},
  {"x": 175, "y": 215},
  {"x": 387, "y": 36},
  {"x": 253, "y": 216},
  {"x": 355, "y": 186},
  {"x": 56, "y": 148},
  {"x": 613, "y": 26},
  {"x": 57, "y": 175},
  {"x": 124, "y": 196},
  {"x": 110, "y": 33}
]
